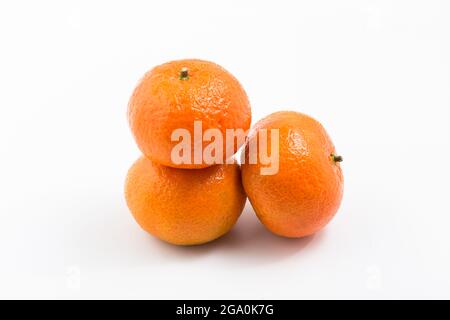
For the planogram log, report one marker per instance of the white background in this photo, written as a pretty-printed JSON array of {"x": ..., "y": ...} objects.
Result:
[{"x": 375, "y": 73}]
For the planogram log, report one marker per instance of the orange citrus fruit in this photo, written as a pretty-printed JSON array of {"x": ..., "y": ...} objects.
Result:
[
  {"x": 175, "y": 94},
  {"x": 305, "y": 193},
  {"x": 184, "y": 207}
]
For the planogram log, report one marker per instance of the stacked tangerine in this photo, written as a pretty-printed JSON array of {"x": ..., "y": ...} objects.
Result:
[{"x": 195, "y": 201}]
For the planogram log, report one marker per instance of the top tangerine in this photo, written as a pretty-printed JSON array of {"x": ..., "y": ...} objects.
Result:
[{"x": 175, "y": 94}]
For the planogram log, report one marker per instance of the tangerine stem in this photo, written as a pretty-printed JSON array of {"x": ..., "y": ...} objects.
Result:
[
  {"x": 337, "y": 158},
  {"x": 184, "y": 73}
]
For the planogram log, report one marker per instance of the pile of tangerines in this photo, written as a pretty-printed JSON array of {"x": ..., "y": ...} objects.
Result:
[{"x": 193, "y": 202}]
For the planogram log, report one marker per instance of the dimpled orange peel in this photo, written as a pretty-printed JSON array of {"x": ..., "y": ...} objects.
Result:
[
  {"x": 184, "y": 207},
  {"x": 305, "y": 193},
  {"x": 175, "y": 94}
]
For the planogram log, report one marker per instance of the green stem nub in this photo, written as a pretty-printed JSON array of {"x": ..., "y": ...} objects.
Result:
[
  {"x": 337, "y": 158},
  {"x": 184, "y": 73}
]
